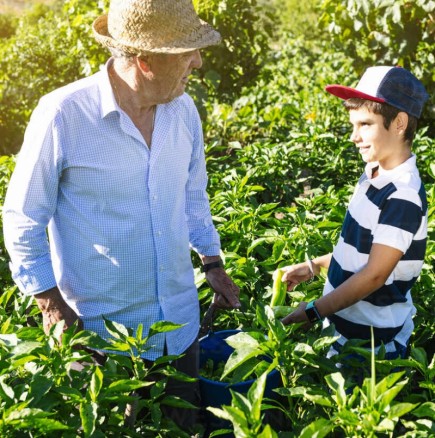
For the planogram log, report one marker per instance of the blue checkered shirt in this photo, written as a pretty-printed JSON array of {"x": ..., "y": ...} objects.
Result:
[{"x": 121, "y": 218}]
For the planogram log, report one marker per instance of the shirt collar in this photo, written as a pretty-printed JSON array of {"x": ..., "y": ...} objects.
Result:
[
  {"x": 107, "y": 98},
  {"x": 386, "y": 176}
]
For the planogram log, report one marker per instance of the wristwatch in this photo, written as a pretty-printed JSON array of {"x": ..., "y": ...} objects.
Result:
[
  {"x": 217, "y": 264},
  {"x": 312, "y": 313}
]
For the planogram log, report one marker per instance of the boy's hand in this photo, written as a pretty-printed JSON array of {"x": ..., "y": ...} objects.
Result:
[
  {"x": 298, "y": 316},
  {"x": 295, "y": 274}
]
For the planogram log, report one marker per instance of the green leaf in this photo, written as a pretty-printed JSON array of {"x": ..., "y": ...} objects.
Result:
[
  {"x": 336, "y": 382},
  {"x": 242, "y": 340},
  {"x": 245, "y": 348},
  {"x": 426, "y": 409},
  {"x": 317, "y": 429},
  {"x": 177, "y": 402},
  {"x": 241, "y": 403},
  {"x": 139, "y": 332},
  {"x": 419, "y": 354},
  {"x": 88, "y": 416},
  {"x": 126, "y": 385},
  {"x": 117, "y": 330},
  {"x": 282, "y": 311},
  {"x": 90, "y": 340},
  {"x": 45, "y": 425},
  {"x": 237, "y": 417},
  {"x": 385, "y": 398},
  {"x": 9, "y": 340},
  {"x": 5, "y": 388},
  {"x": 72, "y": 393},
  {"x": 324, "y": 342},
  {"x": 163, "y": 327},
  {"x": 57, "y": 330},
  {"x": 267, "y": 432},
  {"x": 400, "y": 409},
  {"x": 255, "y": 395},
  {"x": 318, "y": 399},
  {"x": 396, "y": 13},
  {"x": 96, "y": 384},
  {"x": 25, "y": 347},
  {"x": 39, "y": 386},
  {"x": 220, "y": 413}
]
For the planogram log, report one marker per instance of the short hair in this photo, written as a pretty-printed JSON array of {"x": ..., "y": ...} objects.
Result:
[{"x": 388, "y": 113}]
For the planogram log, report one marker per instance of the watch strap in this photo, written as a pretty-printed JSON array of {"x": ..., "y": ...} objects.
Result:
[{"x": 212, "y": 265}]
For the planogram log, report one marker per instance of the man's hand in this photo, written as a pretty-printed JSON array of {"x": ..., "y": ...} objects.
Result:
[
  {"x": 54, "y": 309},
  {"x": 226, "y": 292}
]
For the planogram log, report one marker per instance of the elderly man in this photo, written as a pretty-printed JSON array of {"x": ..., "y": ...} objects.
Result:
[{"x": 113, "y": 167}]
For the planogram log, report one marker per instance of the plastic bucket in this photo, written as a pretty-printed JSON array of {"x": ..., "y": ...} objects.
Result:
[{"x": 215, "y": 393}]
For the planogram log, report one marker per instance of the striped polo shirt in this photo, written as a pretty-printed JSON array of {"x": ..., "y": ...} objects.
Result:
[{"x": 390, "y": 209}]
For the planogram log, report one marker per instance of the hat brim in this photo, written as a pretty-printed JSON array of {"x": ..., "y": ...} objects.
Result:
[
  {"x": 205, "y": 36},
  {"x": 347, "y": 93}
]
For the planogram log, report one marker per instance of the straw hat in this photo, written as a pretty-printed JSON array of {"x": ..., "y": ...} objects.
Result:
[{"x": 161, "y": 26}]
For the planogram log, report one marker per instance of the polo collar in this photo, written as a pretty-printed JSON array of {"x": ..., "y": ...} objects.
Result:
[{"x": 387, "y": 176}]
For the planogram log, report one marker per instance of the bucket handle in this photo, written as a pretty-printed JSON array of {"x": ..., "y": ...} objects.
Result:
[{"x": 207, "y": 321}]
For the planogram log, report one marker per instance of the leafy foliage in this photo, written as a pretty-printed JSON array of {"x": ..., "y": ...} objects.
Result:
[
  {"x": 237, "y": 61},
  {"x": 50, "y": 47},
  {"x": 281, "y": 170},
  {"x": 387, "y": 32}
]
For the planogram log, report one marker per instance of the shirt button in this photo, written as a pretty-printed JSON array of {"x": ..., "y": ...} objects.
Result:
[
  {"x": 162, "y": 268},
  {"x": 159, "y": 233},
  {"x": 155, "y": 197}
]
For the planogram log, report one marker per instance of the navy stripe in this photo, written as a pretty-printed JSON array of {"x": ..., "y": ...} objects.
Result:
[
  {"x": 350, "y": 330},
  {"x": 379, "y": 196},
  {"x": 416, "y": 251},
  {"x": 336, "y": 275},
  {"x": 355, "y": 235},
  {"x": 423, "y": 198},
  {"x": 401, "y": 214},
  {"x": 390, "y": 294},
  {"x": 384, "y": 296}
]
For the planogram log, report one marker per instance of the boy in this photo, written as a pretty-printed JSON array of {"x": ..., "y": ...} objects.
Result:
[{"x": 382, "y": 244}]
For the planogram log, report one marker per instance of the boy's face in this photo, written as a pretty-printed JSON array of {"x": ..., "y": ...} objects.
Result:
[{"x": 373, "y": 140}]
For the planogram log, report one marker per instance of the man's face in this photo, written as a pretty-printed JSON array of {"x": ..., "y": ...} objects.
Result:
[
  {"x": 171, "y": 72},
  {"x": 373, "y": 140}
]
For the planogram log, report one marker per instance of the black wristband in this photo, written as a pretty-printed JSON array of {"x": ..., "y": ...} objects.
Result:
[
  {"x": 312, "y": 313},
  {"x": 217, "y": 264}
]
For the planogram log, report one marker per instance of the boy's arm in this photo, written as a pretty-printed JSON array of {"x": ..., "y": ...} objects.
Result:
[{"x": 381, "y": 262}]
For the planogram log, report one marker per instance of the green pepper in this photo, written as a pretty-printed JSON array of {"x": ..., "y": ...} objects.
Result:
[{"x": 279, "y": 289}]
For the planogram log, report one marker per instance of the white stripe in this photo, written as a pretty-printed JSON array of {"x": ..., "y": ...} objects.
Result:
[{"x": 382, "y": 317}]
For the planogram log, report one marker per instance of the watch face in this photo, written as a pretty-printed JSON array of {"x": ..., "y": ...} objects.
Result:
[{"x": 311, "y": 314}]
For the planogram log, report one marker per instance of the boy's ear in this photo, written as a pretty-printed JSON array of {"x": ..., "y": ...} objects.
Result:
[{"x": 401, "y": 122}]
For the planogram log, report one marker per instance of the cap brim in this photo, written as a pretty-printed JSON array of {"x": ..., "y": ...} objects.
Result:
[{"x": 347, "y": 93}]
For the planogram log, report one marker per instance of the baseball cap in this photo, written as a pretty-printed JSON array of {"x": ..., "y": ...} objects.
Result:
[{"x": 395, "y": 86}]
